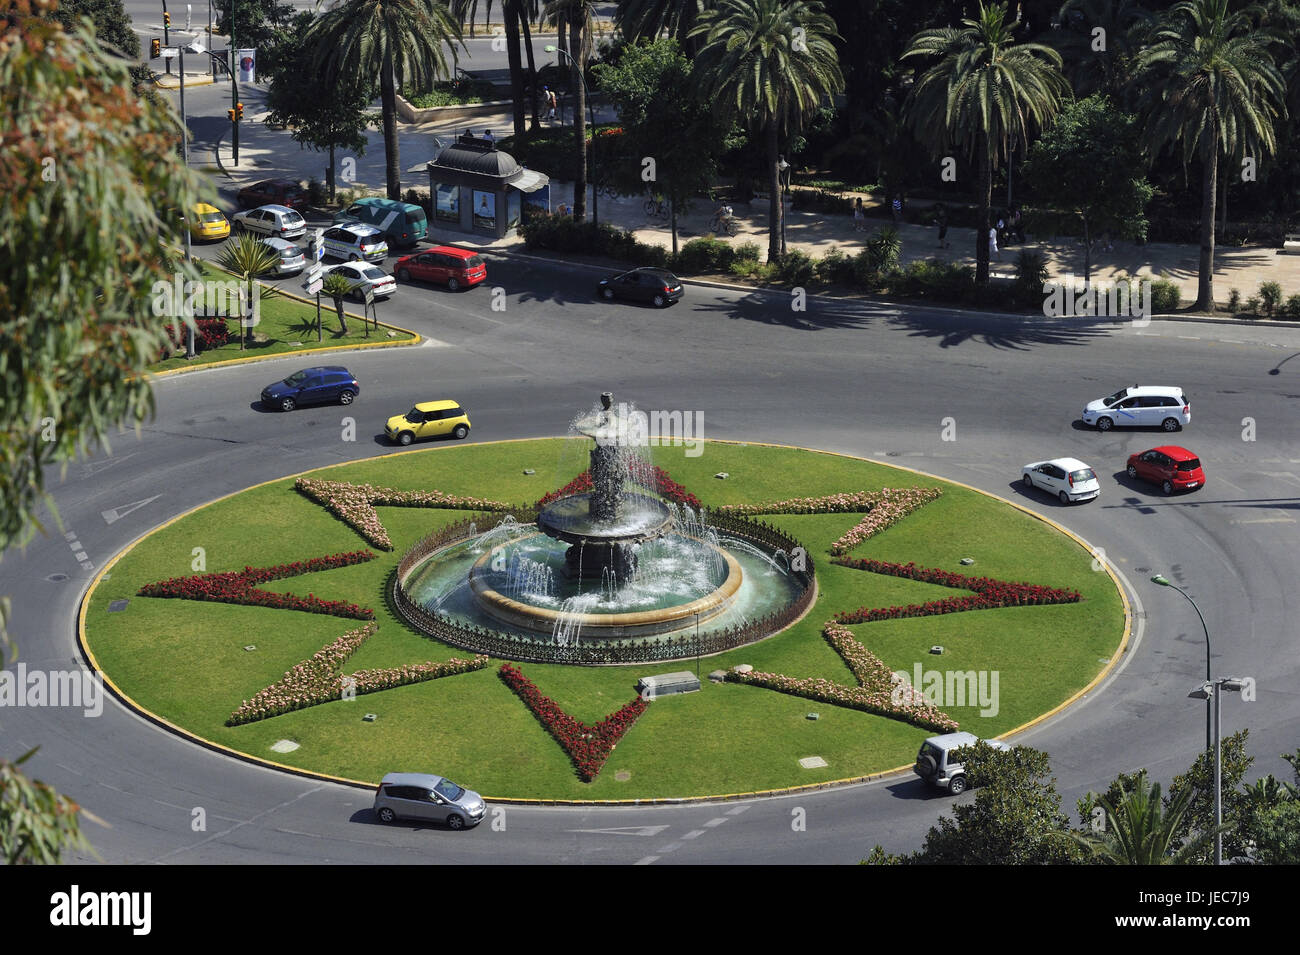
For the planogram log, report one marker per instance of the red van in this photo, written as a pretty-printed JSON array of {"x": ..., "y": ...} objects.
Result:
[{"x": 442, "y": 265}]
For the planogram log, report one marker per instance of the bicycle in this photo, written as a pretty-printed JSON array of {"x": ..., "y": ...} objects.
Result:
[
  {"x": 655, "y": 208},
  {"x": 607, "y": 192},
  {"x": 724, "y": 221}
]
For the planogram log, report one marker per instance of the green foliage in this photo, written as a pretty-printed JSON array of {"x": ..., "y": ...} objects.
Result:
[
  {"x": 796, "y": 269},
  {"x": 1277, "y": 841},
  {"x": 1253, "y": 305},
  {"x": 1293, "y": 306},
  {"x": 1031, "y": 273},
  {"x": 1270, "y": 294},
  {"x": 37, "y": 824},
  {"x": 836, "y": 268},
  {"x": 563, "y": 234},
  {"x": 706, "y": 255},
  {"x": 746, "y": 252},
  {"x": 1199, "y": 783},
  {"x": 112, "y": 26},
  {"x": 883, "y": 249},
  {"x": 1165, "y": 296},
  {"x": 1234, "y": 300},
  {"x": 87, "y": 167},
  {"x": 257, "y": 22},
  {"x": 455, "y": 92},
  {"x": 1140, "y": 829}
]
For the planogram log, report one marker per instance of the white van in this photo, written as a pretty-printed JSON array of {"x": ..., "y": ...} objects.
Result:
[{"x": 1141, "y": 406}]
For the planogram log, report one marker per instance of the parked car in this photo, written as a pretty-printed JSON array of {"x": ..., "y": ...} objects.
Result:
[
  {"x": 284, "y": 192},
  {"x": 1172, "y": 467},
  {"x": 659, "y": 287},
  {"x": 428, "y": 797},
  {"x": 279, "y": 221},
  {"x": 312, "y": 386},
  {"x": 429, "y": 419},
  {"x": 355, "y": 241},
  {"x": 361, "y": 275},
  {"x": 936, "y": 765},
  {"x": 443, "y": 265},
  {"x": 292, "y": 259},
  {"x": 1068, "y": 478},
  {"x": 1142, "y": 406},
  {"x": 402, "y": 223},
  {"x": 208, "y": 222}
]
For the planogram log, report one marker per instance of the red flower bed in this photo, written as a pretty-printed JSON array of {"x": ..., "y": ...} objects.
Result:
[
  {"x": 240, "y": 587},
  {"x": 209, "y": 333},
  {"x": 656, "y": 479},
  {"x": 587, "y": 746},
  {"x": 989, "y": 593}
]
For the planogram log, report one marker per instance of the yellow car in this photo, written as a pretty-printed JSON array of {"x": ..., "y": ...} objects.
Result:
[
  {"x": 428, "y": 419},
  {"x": 207, "y": 222}
]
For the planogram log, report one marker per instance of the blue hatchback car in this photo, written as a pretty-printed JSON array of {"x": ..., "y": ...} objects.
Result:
[{"x": 312, "y": 386}]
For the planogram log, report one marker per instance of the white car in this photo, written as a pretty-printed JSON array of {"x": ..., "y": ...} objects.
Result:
[
  {"x": 278, "y": 221},
  {"x": 362, "y": 274},
  {"x": 1068, "y": 478},
  {"x": 934, "y": 762},
  {"x": 1141, "y": 406},
  {"x": 290, "y": 258},
  {"x": 355, "y": 241}
]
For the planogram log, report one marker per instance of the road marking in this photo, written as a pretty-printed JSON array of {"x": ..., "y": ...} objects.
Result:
[
  {"x": 117, "y": 513},
  {"x": 694, "y": 834},
  {"x": 434, "y": 343},
  {"x": 670, "y": 847},
  {"x": 1268, "y": 520},
  {"x": 625, "y": 830},
  {"x": 715, "y": 822},
  {"x": 737, "y": 811},
  {"x": 646, "y": 861},
  {"x": 1190, "y": 338}
]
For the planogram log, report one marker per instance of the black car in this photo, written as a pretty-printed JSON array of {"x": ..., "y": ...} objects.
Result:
[
  {"x": 659, "y": 287},
  {"x": 312, "y": 386},
  {"x": 283, "y": 192}
]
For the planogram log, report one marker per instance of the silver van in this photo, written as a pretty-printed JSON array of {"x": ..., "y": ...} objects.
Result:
[
  {"x": 936, "y": 765},
  {"x": 427, "y": 797}
]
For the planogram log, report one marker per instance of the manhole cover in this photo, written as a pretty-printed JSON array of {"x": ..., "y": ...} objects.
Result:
[
  {"x": 284, "y": 746},
  {"x": 812, "y": 762},
  {"x": 117, "y": 606},
  {"x": 57, "y": 578},
  {"x": 892, "y": 454},
  {"x": 622, "y": 776}
]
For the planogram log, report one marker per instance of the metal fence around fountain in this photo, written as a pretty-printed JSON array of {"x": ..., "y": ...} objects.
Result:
[{"x": 544, "y": 650}]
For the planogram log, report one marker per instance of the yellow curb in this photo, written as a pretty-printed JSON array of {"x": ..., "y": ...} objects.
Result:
[
  {"x": 521, "y": 801},
  {"x": 415, "y": 340}
]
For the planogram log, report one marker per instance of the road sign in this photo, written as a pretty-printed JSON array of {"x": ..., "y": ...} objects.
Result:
[
  {"x": 318, "y": 241},
  {"x": 170, "y": 52},
  {"x": 313, "y": 273},
  {"x": 370, "y": 295},
  {"x": 311, "y": 288}
]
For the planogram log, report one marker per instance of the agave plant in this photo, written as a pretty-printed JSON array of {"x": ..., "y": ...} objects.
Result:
[{"x": 248, "y": 256}]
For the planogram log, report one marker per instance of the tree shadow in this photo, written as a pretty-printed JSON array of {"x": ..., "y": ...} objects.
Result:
[
  {"x": 774, "y": 307},
  {"x": 1012, "y": 332}
]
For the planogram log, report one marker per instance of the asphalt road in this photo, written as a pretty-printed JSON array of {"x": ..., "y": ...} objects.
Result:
[{"x": 866, "y": 380}]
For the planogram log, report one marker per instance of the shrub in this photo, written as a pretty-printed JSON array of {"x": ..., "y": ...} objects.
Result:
[
  {"x": 865, "y": 273},
  {"x": 1270, "y": 293},
  {"x": 884, "y": 247},
  {"x": 746, "y": 252},
  {"x": 1031, "y": 273},
  {"x": 1234, "y": 300},
  {"x": 1293, "y": 307},
  {"x": 315, "y": 192},
  {"x": 835, "y": 267},
  {"x": 796, "y": 268},
  {"x": 1165, "y": 296},
  {"x": 209, "y": 333},
  {"x": 562, "y": 234},
  {"x": 705, "y": 255},
  {"x": 1253, "y": 305}
]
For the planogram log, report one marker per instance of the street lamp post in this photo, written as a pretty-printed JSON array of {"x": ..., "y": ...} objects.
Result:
[
  {"x": 1165, "y": 582},
  {"x": 1213, "y": 689},
  {"x": 591, "y": 112},
  {"x": 784, "y": 181}
]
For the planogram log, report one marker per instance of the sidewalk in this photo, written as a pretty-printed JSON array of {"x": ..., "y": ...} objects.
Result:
[{"x": 267, "y": 153}]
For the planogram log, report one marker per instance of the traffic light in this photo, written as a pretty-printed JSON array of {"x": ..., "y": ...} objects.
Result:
[
  {"x": 155, "y": 48},
  {"x": 167, "y": 19},
  {"x": 239, "y": 111},
  {"x": 230, "y": 115}
]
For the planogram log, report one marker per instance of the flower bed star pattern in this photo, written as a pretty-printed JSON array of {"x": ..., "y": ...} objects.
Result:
[
  {"x": 875, "y": 692},
  {"x": 240, "y": 587},
  {"x": 656, "y": 480},
  {"x": 319, "y": 679},
  {"x": 884, "y": 509},
  {"x": 355, "y": 504},
  {"x": 588, "y": 746}
]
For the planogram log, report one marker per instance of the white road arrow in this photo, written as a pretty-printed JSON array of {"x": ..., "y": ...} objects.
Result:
[
  {"x": 625, "y": 831},
  {"x": 118, "y": 513}
]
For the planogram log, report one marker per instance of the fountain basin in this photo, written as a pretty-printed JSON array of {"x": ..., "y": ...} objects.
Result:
[{"x": 640, "y": 518}]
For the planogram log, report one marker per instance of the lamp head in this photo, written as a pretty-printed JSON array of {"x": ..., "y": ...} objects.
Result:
[{"x": 1160, "y": 579}]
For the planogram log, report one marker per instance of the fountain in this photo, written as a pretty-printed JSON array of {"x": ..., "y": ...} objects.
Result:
[{"x": 607, "y": 574}]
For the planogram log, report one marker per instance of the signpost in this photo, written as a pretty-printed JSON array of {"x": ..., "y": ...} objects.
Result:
[{"x": 370, "y": 309}]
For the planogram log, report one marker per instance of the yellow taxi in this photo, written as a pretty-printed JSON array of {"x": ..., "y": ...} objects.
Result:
[
  {"x": 208, "y": 222},
  {"x": 429, "y": 419}
]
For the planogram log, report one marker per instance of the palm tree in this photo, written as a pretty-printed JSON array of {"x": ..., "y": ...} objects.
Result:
[
  {"x": 768, "y": 63},
  {"x": 576, "y": 15},
  {"x": 248, "y": 257},
  {"x": 514, "y": 18},
  {"x": 400, "y": 41},
  {"x": 1141, "y": 831},
  {"x": 338, "y": 288},
  {"x": 985, "y": 92},
  {"x": 1212, "y": 88},
  {"x": 649, "y": 19},
  {"x": 1128, "y": 27}
]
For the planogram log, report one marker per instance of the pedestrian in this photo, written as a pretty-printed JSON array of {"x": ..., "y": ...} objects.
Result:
[
  {"x": 896, "y": 207},
  {"x": 1002, "y": 228},
  {"x": 551, "y": 104},
  {"x": 1018, "y": 225},
  {"x": 859, "y": 216},
  {"x": 487, "y": 134},
  {"x": 993, "y": 244},
  {"x": 942, "y": 219}
]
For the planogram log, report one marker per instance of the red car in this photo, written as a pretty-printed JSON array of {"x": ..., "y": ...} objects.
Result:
[
  {"x": 280, "y": 192},
  {"x": 443, "y": 265},
  {"x": 1172, "y": 467}
]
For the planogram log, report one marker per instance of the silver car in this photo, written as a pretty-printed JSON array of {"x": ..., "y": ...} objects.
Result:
[
  {"x": 290, "y": 258},
  {"x": 427, "y": 797}
]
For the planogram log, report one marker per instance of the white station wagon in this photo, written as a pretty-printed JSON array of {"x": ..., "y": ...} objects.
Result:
[
  {"x": 1141, "y": 406},
  {"x": 279, "y": 221},
  {"x": 1068, "y": 478}
]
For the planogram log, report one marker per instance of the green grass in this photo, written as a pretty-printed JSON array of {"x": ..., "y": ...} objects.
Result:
[
  {"x": 287, "y": 326},
  {"x": 184, "y": 661}
]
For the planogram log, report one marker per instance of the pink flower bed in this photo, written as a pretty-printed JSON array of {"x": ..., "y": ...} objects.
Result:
[
  {"x": 240, "y": 587},
  {"x": 656, "y": 480},
  {"x": 884, "y": 508},
  {"x": 588, "y": 746},
  {"x": 320, "y": 679},
  {"x": 989, "y": 593},
  {"x": 355, "y": 504},
  {"x": 875, "y": 692}
]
